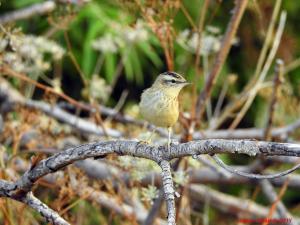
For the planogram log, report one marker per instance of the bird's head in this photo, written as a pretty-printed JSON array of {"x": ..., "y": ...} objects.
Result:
[{"x": 170, "y": 82}]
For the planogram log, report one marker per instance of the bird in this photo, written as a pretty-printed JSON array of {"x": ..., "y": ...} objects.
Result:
[{"x": 159, "y": 104}]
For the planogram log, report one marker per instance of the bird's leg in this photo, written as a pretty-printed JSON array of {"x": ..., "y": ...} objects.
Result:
[
  {"x": 169, "y": 139},
  {"x": 151, "y": 135},
  {"x": 148, "y": 140}
]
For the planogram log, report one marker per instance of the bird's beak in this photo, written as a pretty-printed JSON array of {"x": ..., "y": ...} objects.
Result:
[{"x": 186, "y": 83}]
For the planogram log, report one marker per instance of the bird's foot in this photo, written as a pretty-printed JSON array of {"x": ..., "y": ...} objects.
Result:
[{"x": 144, "y": 142}]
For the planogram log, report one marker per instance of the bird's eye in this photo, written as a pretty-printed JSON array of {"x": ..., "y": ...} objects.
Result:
[{"x": 173, "y": 81}]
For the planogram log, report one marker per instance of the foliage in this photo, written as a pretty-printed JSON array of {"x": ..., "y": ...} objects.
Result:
[{"x": 98, "y": 52}]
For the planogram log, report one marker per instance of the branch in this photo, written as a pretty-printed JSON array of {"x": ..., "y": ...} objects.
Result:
[
  {"x": 270, "y": 193},
  {"x": 50, "y": 215},
  {"x": 76, "y": 122},
  {"x": 251, "y": 175},
  {"x": 263, "y": 74},
  {"x": 279, "y": 68},
  {"x": 25, "y": 13},
  {"x": 154, "y": 153},
  {"x": 12, "y": 96},
  {"x": 36, "y": 9},
  {"x": 229, "y": 204},
  {"x": 29, "y": 199},
  {"x": 213, "y": 167},
  {"x": 169, "y": 191},
  {"x": 155, "y": 208},
  {"x": 159, "y": 154},
  {"x": 253, "y": 133},
  {"x": 221, "y": 57}
]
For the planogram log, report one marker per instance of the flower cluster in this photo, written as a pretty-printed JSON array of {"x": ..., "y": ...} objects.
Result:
[
  {"x": 97, "y": 89},
  {"x": 28, "y": 53},
  {"x": 149, "y": 194},
  {"x": 120, "y": 37},
  {"x": 139, "y": 168},
  {"x": 210, "y": 41}
]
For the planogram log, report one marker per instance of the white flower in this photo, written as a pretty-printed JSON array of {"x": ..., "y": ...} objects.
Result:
[
  {"x": 28, "y": 52},
  {"x": 150, "y": 193},
  {"x": 181, "y": 177},
  {"x": 3, "y": 44},
  {"x": 105, "y": 44},
  {"x": 209, "y": 43},
  {"x": 136, "y": 34},
  {"x": 98, "y": 88},
  {"x": 121, "y": 37}
]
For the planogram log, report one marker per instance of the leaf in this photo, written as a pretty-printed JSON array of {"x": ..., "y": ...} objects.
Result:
[
  {"x": 110, "y": 65},
  {"x": 89, "y": 55},
  {"x": 149, "y": 51}
]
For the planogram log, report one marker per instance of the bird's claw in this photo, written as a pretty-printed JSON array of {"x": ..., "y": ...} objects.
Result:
[{"x": 144, "y": 142}]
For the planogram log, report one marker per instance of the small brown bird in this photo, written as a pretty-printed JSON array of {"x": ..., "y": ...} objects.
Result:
[{"x": 159, "y": 103}]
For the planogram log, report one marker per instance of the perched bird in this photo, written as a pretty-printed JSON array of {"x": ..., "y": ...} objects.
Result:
[{"x": 159, "y": 103}]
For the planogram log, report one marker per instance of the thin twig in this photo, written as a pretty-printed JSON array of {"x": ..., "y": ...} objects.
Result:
[
  {"x": 213, "y": 167},
  {"x": 251, "y": 175},
  {"x": 276, "y": 202},
  {"x": 271, "y": 195},
  {"x": 74, "y": 60},
  {"x": 221, "y": 57},
  {"x": 233, "y": 106},
  {"x": 264, "y": 71},
  {"x": 10, "y": 72},
  {"x": 276, "y": 83},
  {"x": 155, "y": 208}
]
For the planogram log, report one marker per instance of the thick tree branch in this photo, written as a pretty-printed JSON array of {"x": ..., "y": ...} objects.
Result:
[
  {"x": 158, "y": 154},
  {"x": 169, "y": 191},
  {"x": 50, "y": 215},
  {"x": 155, "y": 153}
]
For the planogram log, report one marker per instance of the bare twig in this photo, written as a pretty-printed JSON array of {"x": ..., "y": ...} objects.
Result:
[
  {"x": 276, "y": 83},
  {"x": 13, "y": 96},
  {"x": 213, "y": 167},
  {"x": 155, "y": 208},
  {"x": 36, "y": 9},
  {"x": 233, "y": 106},
  {"x": 270, "y": 193},
  {"x": 6, "y": 70},
  {"x": 221, "y": 57},
  {"x": 77, "y": 122},
  {"x": 24, "y": 13},
  {"x": 264, "y": 71},
  {"x": 227, "y": 203},
  {"x": 251, "y": 175}
]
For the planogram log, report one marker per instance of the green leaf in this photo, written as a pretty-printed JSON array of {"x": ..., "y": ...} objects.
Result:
[
  {"x": 110, "y": 66},
  {"x": 149, "y": 51},
  {"x": 89, "y": 55}
]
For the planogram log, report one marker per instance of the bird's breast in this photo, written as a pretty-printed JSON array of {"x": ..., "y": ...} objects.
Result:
[{"x": 159, "y": 109}]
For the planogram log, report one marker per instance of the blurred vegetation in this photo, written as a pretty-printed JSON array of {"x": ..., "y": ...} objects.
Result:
[
  {"x": 114, "y": 41},
  {"x": 98, "y": 50}
]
